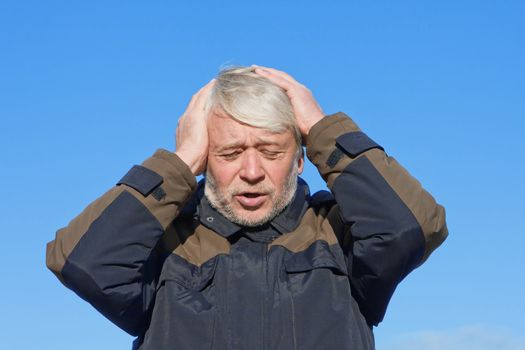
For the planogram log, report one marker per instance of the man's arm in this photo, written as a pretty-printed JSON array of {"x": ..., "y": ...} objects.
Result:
[
  {"x": 110, "y": 254},
  {"x": 394, "y": 224}
]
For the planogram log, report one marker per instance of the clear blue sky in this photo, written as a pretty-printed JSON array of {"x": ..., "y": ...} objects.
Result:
[{"x": 87, "y": 89}]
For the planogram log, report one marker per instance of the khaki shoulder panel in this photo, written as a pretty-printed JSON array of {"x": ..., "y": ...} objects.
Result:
[
  {"x": 315, "y": 225},
  {"x": 195, "y": 243}
]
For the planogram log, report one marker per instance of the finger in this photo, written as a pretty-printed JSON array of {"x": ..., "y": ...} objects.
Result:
[
  {"x": 203, "y": 95},
  {"x": 277, "y": 79},
  {"x": 276, "y": 72},
  {"x": 279, "y": 73},
  {"x": 195, "y": 99}
]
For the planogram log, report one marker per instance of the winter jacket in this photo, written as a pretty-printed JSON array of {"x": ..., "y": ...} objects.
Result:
[{"x": 157, "y": 260}]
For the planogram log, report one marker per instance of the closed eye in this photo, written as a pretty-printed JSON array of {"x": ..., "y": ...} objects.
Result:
[
  {"x": 271, "y": 154},
  {"x": 230, "y": 155}
]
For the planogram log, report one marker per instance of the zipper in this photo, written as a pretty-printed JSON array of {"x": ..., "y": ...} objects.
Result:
[{"x": 265, "y": 304}]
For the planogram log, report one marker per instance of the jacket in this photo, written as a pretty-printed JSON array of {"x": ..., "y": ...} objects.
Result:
[{"x": 157, "y": 260}]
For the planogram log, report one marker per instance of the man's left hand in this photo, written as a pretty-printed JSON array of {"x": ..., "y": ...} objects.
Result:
[{"x": 307, "y": 111}]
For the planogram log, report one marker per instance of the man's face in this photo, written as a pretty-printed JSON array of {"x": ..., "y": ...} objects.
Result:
[{"x": 251, "y": 173}]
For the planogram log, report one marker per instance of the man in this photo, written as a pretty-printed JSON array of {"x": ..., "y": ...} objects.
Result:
[{"x": 248, "y": 258}]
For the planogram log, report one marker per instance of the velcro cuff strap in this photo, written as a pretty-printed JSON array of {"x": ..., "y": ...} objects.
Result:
[
  {"x": 141, "y": 179},
  {"x": 355, "y": 143}
]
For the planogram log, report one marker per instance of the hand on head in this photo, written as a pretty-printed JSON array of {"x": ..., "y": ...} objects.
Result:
[
  {"x": 306, "y": 110},
  {"x": 192, "y": 134}
]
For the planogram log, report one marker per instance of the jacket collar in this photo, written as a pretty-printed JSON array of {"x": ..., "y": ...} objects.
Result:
[{"x": 285, "y": 222}]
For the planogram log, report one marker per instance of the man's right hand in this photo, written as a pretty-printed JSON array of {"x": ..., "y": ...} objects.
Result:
[{"x": 191, "y": 135}]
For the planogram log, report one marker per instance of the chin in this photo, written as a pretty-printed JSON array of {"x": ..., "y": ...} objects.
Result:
[
  {"x": 252, "y": 218},
  {"x": 247, "y": 215}
]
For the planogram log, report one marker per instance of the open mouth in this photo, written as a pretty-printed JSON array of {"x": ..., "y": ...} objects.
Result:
[{"x": 251, "y": 200}]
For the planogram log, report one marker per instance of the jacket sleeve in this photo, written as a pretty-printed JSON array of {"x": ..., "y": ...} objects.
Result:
[
  {"x": 107, "y": 254},
  {"x": 391, "y": 223}
]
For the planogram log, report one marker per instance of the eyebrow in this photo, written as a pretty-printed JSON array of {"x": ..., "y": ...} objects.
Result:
[
  {"x": 230, "y": 145},
  {"x": 240, "y": 144}
]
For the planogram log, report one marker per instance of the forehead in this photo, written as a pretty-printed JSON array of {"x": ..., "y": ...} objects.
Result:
[{"x": 225, "y": 131}]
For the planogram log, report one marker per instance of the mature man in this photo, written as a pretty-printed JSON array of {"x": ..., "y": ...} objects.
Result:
[{"x": 248, "y": 258}]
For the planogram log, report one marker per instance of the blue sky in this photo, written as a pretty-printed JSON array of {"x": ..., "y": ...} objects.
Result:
[{"x": 87, "y": 89}]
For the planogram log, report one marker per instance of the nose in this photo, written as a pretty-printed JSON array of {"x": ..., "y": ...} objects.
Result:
[{"x": 252, "y": 170}]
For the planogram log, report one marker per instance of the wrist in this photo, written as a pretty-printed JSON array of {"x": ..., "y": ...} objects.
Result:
[
  {"x": 193, "y": 162},
  {"x": 308, "y": 125}
]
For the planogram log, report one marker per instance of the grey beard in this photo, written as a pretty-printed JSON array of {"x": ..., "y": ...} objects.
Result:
[{"x": 220, "y": 203}]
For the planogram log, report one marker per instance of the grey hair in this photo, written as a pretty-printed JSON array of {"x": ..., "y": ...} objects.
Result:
[{"x": 254, "y": 100}]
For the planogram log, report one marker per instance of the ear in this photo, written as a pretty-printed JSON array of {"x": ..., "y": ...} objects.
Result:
[{"x": 300, "y": 163}]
